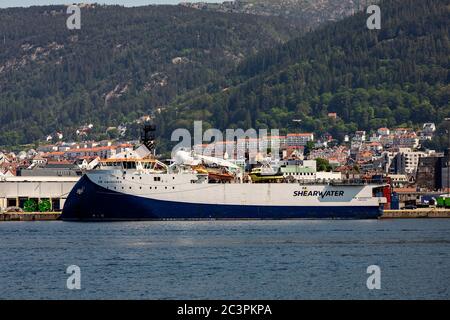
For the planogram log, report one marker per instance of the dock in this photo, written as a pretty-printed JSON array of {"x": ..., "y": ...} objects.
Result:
[
  {"x": 416, "y": 213},
  {"x": 387, "y": 214},
  {"x": 29, "y": 216}
]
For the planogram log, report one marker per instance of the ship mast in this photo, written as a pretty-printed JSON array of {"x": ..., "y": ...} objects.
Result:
[{"x": 148, "y": 136}]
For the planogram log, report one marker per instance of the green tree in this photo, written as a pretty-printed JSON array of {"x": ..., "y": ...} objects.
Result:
[
  {"x": 308, "y": 148},
  {"x": 323, "y": 165}
]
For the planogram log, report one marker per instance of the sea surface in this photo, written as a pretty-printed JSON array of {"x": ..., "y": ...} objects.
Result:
[{"x": 226, "y": 259}]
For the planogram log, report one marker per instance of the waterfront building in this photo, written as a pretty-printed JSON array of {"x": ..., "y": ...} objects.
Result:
[
  {"x": 399, "y": 180},
  {"x": 51, "y": 169},
  {"x": 404, "y": 160},
  {"x": 429, "y": 173},
  {"x": 15, "y": 191},
  {"x": 445, "y": 173}
]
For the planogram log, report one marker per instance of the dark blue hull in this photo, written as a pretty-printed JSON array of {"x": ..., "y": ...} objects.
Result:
[{"x": 90, "y": 202}]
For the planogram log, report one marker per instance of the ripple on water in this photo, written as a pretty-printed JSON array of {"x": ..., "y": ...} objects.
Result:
[{"x": 226, "y": 259}]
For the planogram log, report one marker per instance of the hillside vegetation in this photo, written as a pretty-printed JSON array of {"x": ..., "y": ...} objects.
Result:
[
  {"x": 227, "y": 69},
  {"x": 396, "y": 76},
  {"x": 311, "y": 12},
  {"x": 122, "y": 64}
]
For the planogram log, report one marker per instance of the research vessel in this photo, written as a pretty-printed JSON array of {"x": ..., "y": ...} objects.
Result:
[{"x": 136, "y": 186}]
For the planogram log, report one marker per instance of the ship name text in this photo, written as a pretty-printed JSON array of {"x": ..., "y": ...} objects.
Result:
[{"x": 321, "y": 194}]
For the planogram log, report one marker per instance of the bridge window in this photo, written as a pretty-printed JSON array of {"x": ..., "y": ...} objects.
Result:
[
  {"x": 129, "y": 164},
  {"x": 147, "y": 165}
]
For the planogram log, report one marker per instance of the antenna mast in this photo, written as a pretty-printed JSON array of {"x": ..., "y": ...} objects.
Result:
[{"x": 148, "y": 136}]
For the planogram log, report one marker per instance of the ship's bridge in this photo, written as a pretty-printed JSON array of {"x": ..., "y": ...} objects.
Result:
[{"x": 133, "y": 164}]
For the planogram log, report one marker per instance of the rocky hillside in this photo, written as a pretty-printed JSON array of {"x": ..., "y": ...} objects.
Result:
[
  {"x": 312, "y": 12},
  {"x": 122, "y": 64}
]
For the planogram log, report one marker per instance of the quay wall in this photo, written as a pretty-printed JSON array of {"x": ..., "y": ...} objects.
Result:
[
  {"x": 416, "y": 213},
  {"x": 29, "y": 216},
  {"x": 388, "y": 214}
]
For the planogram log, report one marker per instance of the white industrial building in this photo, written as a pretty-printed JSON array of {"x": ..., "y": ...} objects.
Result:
[{"x": 14, "y": 191}]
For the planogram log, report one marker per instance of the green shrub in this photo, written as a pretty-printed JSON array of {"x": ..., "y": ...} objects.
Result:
[
  {"x": 30, "y": 206},
  {"x": 45, "y": 205}
]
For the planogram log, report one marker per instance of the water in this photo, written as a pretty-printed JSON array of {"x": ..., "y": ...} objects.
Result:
[{"x": 226, "y": 259}]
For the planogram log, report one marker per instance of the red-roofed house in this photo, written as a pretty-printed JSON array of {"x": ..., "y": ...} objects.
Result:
[
  {"x": 332, "y": 115},
  {"x": 383, "y": 131}
]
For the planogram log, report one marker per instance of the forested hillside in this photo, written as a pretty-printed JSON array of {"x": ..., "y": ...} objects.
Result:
[
  {"x": 396, "y": 76},
  {"x": 313, "y": 12},
  {"x": 122, "y": 64},
  {"x": 228, "y": 69}
]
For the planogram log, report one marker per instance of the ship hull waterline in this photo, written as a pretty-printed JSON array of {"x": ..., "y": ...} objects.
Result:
[{"x": 97, "y": 203}]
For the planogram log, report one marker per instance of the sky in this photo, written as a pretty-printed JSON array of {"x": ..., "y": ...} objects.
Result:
[{"x": 128, "y": 3}]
